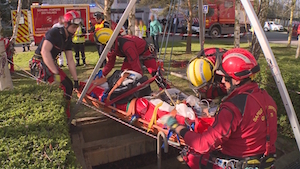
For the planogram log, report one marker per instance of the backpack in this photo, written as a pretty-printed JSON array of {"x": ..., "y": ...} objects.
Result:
[{"x": 129, "y": 83}]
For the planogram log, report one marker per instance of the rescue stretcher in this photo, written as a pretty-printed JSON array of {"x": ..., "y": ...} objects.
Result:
[{"x": 144, "y": 112}]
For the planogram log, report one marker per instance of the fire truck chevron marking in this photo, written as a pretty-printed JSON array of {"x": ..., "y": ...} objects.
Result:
[{"x": 22, "y": 36}]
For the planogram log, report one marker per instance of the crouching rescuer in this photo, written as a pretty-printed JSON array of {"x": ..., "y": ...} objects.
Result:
[
  {"x": 135, "y": 51},
  {"x": 244, "y": 132},
  {"x": 55, "y": 41}
]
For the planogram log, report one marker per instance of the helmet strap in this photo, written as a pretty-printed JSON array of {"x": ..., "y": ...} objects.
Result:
[
  {"x": 232, "y": 87},
  {"x": 70, "y": 34},
  {"x": 229, "y": 80}
]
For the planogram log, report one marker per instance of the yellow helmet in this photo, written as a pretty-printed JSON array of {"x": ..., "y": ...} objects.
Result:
[
  {"x": 200, "y": 71},
  {"x": 103, "y": 35}
]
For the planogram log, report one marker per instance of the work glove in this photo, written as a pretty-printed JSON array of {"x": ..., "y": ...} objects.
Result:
[
  {"x": 169, "y": 121},
  {"x": 76, "y": 85},
  {"x": 57, "y": 79}
]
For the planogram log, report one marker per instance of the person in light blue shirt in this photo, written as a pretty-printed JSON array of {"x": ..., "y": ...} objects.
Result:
[{"x": 155, "y": 30}]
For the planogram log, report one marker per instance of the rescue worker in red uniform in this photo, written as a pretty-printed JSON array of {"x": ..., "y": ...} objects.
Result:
[
  {"x": 9, "y": 49},
  {"x": 244, "y": 132},
  {"x": 201, "y": 73},
  {"x": 55, "y": 41},
  {"x": 134, "y": 50}
]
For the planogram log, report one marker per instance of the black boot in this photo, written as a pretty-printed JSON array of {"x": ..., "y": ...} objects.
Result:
[{"x": 77, "y": 64}]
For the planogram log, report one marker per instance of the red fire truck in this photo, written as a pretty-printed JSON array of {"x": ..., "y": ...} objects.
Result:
[
  {"x": 221, "y": 17},
  {"x": 45, "y": 16}
]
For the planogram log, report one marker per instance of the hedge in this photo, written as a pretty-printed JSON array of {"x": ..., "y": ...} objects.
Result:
[
  {"x": 289, "y": 67},
  {"x": 34, "y": 130}
]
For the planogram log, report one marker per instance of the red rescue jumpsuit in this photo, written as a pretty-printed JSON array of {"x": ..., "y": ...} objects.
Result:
[
  {"x": 240, "y": 126},
  {"x": 9, "y": 52},
  {"x": 132, "y": 48}
]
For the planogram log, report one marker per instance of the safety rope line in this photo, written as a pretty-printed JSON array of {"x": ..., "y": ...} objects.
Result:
[
  {"x": 169, "y": 17},
  {"x": 31, "y": 75},
  {"x": 94, "y": 108},
  {"x": 165, "y": 29},
  {"x": 172, "y": 44}
]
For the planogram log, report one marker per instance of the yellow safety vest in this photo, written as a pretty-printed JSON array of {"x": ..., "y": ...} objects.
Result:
[
  {"x": 77, "y": 38},
  {"x": 143, "y": 29},
  {"x": 99, "y": 25}
]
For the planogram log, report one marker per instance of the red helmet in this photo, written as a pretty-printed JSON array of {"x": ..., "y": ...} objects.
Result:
[
  {"x": 238, "y": 64},
  {"x": 72, "y": 17}
]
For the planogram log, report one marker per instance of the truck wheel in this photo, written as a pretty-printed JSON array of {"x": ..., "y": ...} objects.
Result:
[{"x": 215, "y": 32}]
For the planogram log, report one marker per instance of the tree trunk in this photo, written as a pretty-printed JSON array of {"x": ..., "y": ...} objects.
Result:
[
  {"x": 202, "y": 24},
  {"x": 15, "y": 31},
  {"x": 131, "y": 20},
  {"x": 237, "y": 28},
  {"x": 189, "y": 38},
  {"x": 293, "y": 5},
  {"x": 5, "y": 78},
  {"x": 262, "y": 10},
  {"x": 98, "y": 4},
  {"x": 107, "y": 10},
  {"x": 298, "y": 49}
]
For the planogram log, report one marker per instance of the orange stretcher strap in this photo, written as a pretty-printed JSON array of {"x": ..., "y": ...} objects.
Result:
[
  {"x": 119, "y": 82},
  {"x": 97, "y": 82},
  {"x": 131, "y": 108}
]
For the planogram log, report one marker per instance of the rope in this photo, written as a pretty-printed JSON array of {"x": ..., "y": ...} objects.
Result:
[
  {"x": 165, "y": 29},
  {"x": 31, "y": 75},
  {"x": 169, "y": 15},
  {"x": 174, "y": 31}
]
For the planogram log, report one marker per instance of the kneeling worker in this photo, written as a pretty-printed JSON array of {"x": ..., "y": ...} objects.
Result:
[
  {"x": 244, "y": 132},
  {"x": 134, "y": 50},
  {"x": 201, "y": 73}
]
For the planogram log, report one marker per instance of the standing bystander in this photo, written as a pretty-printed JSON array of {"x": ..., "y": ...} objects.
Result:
[
  {"x": 143, "y": 29},
  {"x": 78, "y": 42},
  {"x": 175, "y": 24},
  {"x": 155, "y": 29},
  {"x": 24, "y": 47}
]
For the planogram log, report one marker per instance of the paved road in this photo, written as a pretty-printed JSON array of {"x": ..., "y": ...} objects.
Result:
[
  {"x": 273, "y": 37},
  {"x": 279, "y": 37}
]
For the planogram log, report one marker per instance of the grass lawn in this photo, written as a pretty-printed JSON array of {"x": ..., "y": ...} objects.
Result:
[{"x": 285, "y": 57}]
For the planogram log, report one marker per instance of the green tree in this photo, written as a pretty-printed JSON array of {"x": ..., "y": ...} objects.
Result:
[
  {"x": 261, "y": 9},
  {"x": 131, "y": 21},
  {"x": 293, "y": 5},
  {"x": 237, "y": 28},
  {"x": 5, "y": 78}
]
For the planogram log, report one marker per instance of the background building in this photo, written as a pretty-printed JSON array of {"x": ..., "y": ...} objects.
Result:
[{"x": 117, "y": 8}]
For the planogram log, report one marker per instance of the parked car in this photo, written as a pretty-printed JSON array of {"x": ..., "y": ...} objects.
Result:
[
  {"x": 195, "y": 28},
  {"x": 272, "y": 26},
  {"x": 296, "y": 30}
]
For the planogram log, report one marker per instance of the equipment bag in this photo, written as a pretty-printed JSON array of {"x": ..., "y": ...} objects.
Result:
[{"x": 132, "y": 81}]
